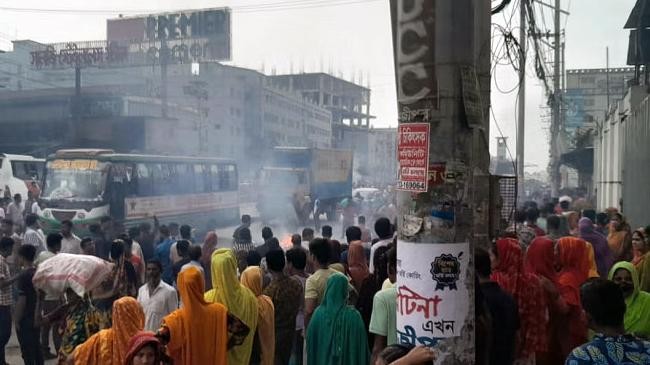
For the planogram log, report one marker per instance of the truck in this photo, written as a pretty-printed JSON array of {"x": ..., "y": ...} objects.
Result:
[{"x": 294, "y": 179}]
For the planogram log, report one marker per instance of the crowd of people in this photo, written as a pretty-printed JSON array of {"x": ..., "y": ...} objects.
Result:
[
  {"x": 171, "y": 299},
  {"x": 563, "y": 286}
]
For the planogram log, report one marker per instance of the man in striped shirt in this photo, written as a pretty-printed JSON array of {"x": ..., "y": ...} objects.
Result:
[{"x": 34, "y": 235}]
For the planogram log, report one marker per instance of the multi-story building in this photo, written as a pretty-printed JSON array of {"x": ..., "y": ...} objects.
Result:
[
  {"x": 349, "y": 103},
  {"x": 589, "y": 95},
  {"x": 227, "y": 111},
  {"x": 588, "y": 92}
]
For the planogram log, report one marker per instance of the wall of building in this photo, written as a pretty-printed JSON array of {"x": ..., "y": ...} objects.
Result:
[
  {"x": 636, "y": 171},
  {"x": 622, "y": 157}
]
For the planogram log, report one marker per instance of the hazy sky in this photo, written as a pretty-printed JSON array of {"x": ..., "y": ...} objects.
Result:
[{"x": 353, "y": 37}]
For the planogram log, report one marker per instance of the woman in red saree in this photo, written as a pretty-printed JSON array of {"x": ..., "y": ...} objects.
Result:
[
  {"x": 540, "y": 260},
  {"x": 527, "y": 291},
  {"x": 573, "y": 258}
]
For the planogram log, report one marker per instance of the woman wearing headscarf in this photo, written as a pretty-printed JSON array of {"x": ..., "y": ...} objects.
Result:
[
  {"x": 336, "y": 333},
  {"x": 639, "y": 247},
  {"x": 238, "y": 300},
  {"x": 641, "y": 262},
  {"x": 145, "y": 349},
  {"x": 540, "y": 260},
  {"x": 110, "y": 346},
  {"x": 603, "y": 255},
  {"x": 264, "y": 345},
  {"x": 209, "y": 245},
  {"x": 199, "y": 333},
  {"x": 526, "y": 289},
  {"x": 619, "y": 238},
  {"x": 573, "y": 257},
  {"x": 357, "y": 265},
  {"x": 637, "y": 314}
]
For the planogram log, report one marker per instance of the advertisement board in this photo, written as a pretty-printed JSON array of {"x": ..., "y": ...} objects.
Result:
[
  {"x": 413, "y": 157},
  {"x": 432, "y": 299}
]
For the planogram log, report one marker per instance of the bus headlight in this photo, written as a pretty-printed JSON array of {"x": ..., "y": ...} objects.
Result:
[{"x": 81, "y": 215}]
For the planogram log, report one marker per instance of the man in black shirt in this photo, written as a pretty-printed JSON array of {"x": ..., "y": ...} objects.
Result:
[
  {"x": 26, "y": 330},
  {"x": 503, "y": 309},
  {"x": 245, "y": 223},
  {"x": 183, "y": 249}
]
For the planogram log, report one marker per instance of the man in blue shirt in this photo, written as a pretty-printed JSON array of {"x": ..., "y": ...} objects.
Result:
[
  {"x": 162, "y": 254},
  {"x": 605, "y": 306}
]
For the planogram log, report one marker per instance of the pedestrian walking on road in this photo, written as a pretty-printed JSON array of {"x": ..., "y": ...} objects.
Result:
[
  {"x": 6, "y": 299},
  {"x": 27, "y": 329},
  {"x": 637, "y": 315},
  {"x": 157, "y": 298},
  {"x": 238, "y": 300},
  {"x": 287, "y": 294},
  {"x": 604, "y": 304},
  {"x": 200, "y": 332},
  {"x": 264, "y": 345},
  {"x": 336, "y": 333},
  {"x": 110, "y": 346}
]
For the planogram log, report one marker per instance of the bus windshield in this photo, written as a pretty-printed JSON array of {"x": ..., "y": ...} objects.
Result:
[{"x": 75, "y": 180}]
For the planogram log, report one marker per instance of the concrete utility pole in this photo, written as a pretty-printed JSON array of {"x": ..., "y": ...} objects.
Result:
[
  {"x": 521, "y": 99},
  {"x": 556, "y": 123},
  {"x": 442, "y": 61}
]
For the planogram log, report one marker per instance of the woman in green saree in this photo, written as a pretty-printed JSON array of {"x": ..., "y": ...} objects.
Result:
[
  {"x": 336, "y": 333},
  {"x": 637, "y": 315}
]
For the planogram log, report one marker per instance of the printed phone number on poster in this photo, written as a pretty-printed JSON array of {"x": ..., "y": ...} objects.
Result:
[{"x": 412, "y": 185}]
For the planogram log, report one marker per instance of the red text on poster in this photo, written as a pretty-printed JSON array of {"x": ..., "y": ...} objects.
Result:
[{"x": 413, "y": 157}]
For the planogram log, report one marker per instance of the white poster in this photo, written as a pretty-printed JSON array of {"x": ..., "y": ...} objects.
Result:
[{"x": 432, "y": 300}]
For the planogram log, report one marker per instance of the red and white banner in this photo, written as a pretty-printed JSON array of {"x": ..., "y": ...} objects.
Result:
[{"x": 413, "y": 157}]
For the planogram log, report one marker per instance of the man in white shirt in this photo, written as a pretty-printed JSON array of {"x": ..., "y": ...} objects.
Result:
[
  {"x": 157, "y": 298},
  {"x": 34, "y": 235},
  {"x": 15, "y": 210},
  {"x": 70, "y": 242}
]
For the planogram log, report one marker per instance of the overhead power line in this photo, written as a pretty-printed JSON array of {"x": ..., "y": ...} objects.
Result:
[{"x": 258, "y": 8}]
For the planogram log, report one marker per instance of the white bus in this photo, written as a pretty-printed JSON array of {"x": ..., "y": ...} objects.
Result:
[
  {"x": 85, "y": 185},
  {"x": 19, "y": 174}
]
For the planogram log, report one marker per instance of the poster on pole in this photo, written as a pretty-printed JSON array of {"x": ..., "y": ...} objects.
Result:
[
  {"x": 413, "y": 157},
  {"x": 432, "y": 299}
]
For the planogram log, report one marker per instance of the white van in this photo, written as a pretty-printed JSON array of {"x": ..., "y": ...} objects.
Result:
[{"x": 18, "y": 173}]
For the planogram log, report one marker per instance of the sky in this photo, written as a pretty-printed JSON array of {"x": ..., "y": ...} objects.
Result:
[{"x": 351, "y": 38}]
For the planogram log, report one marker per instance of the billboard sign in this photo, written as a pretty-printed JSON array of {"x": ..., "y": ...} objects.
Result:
[
  {"x": 576, "y": 116},
  {"x": 188, "y": 30}
]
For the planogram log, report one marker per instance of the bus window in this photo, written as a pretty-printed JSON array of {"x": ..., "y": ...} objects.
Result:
[
  {"x": 172, "y": 183},
  {"x": 233, "y": 178},
  {"x": 27, "y": 170},
  {"x": 214, "y": 178},
  {"x": 145, "y": 181},
  {"x": 159, "y": 179},
  {"x": 200, "y": 179},
  {"x": 185, "y": 178},
  {"x": 229, "y": 177}
]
